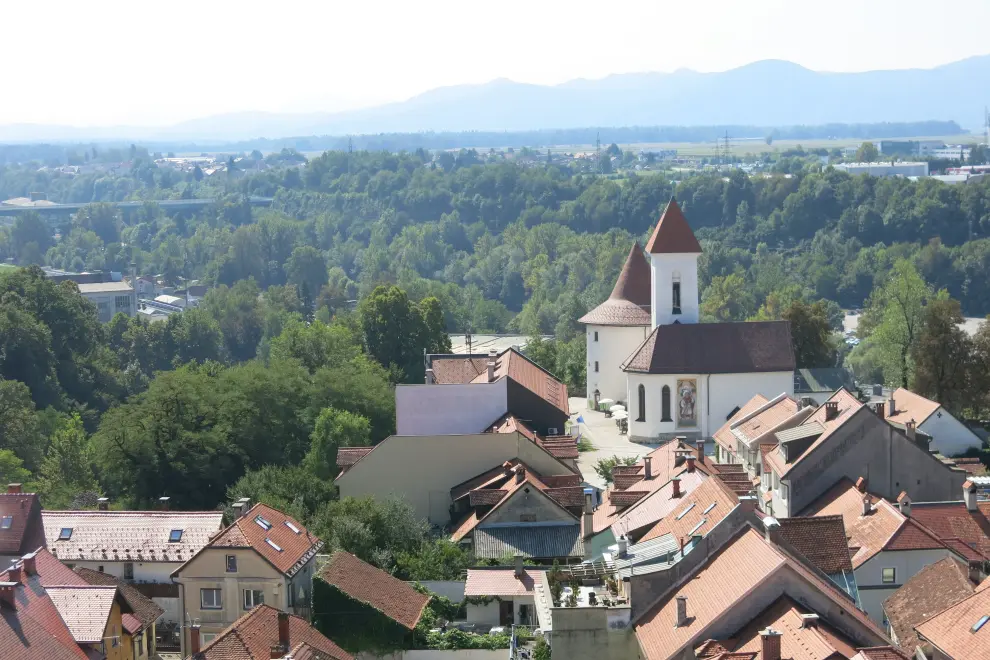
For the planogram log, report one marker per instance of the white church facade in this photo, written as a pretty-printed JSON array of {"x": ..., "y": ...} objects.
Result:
[{"x": 647, "y": 348}]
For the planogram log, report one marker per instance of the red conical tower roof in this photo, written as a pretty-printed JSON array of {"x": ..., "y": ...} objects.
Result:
[
  {"x": 629, "y": 303},
  {"x": 673, "y": 235}
]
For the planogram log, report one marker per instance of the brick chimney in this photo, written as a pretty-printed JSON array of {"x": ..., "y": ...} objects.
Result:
[
  {"x": 675, "y": 484},
  {"x": 771, "y": 526},
  {"x": 283, "y": 631},
  {"x": 103, "y": 503},
  {"x": 880, "y": 409},
  {"x": 193, "y": 640},
  {"x": 969, "y": 495},
  {"x": 7, "y": 595},
  {"x": 904, "y": 503},
  {"x": 14, "y": 574},
  {"x": 492, "y": 356},
  {"x": 769, "y": 644},
  {"x": 891, "y": 407},
  {"x": 831, "y": 412},
  {"x": 861, "y": 484},
  {"x": 163, "y": 502},
  {"x": 867, "y": 505},
  {"x": 30, "y": 567},
  {"x": 589, "y": 513},
  {"x": 520, "y": 474},
  {"x": 809, "y": 620},
  {"x": 518, "y": 565},
  {"x": 682, "y": 614},
  {"x": 910, "y": 431},
  {"x": 13, "y": 489},
  {"x": 690, "y": 463},
  {"x": 700, "y": 451},
  {"x": 648, "y": 467}
]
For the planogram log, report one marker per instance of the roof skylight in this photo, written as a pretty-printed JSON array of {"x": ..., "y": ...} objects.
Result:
[
  {"x": 685, "y": 511},
  {"x": 262, "y": 522},
  {"x": 175, "y": 536},
  {"x": 273, "y": 544},
  {"x": 710, "y": 507},
  {"x": 292, "y": 527},
  {"x": 65, "y": 534}
]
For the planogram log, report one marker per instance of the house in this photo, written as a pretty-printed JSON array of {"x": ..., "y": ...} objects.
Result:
[
  {"x": 697, "y": 513},
  {"x": 422, "y": 470},
  {"x": 962, "y": 524},
  {"x": 933, "y": 589},
  {"x": 563, "y": 447},
  {"x": 21, "y": 528},
  {"x": 845, "y": 438},
  {"x": 887, "y": 545},
  {"x": 74, "y": 613},
  {"x": 502, "y": 596},
  {"x": 958, "y": 632},
  {"x": 264, "y": 556},
  {"x": 349, "y": 590},
  {"x": 754, "y": 424},
  {"x": 141, "y": 548},
  {"x": 512, "y": 510},
  {"x": 510, "y": 383},
  {"x": 949, "y": 436},
  {"x": 646, "y": 346},
  {"x": 266, "y": 632},
  {"x": 139, "y": 628},
  {"x": 110, "y": 298}
]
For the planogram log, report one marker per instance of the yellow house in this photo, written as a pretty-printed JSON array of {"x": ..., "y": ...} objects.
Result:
[
  {"x": 264, "y": 557},
  {"x": 139, "y": 627},
  {"x": 94, "y": 616}
]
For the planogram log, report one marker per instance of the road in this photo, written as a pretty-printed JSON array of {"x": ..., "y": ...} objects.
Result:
[{"x": 604, "y": 435}]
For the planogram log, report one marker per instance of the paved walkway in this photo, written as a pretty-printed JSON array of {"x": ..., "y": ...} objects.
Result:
[{"x": 604, "y": 435}]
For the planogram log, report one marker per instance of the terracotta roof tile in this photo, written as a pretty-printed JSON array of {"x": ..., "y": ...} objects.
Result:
[
  {"x": 646, "y": 511},
  {"x": 629, "y": 303},
  {"x": 848, "y": 405},
  {"x": 715, "y": 348},
  {"x": 771, "y": 415},
  {"x": 25, "y": 532},
  {"x": 908, "y": 406},
  {"x": 973, "y": 466},
  {"x": 951, "y": 630},
  {"x": 509, "y": 423},
  {"x": 129, "y": 535},
  {"x": 252, "y": 636},
  {"x": 570, "y": 496},
  {"x": 146, "y": 611},
  {"x": 457, "y": 369},
  {"x": 672, "y": 233},
  {"x": 697, "y": 513},
  {"x": 724, "y": 436},
  {"x": 36, "y": 631},
  {"x": 512, "y": 364},
  {"x": 85, "y": 610},
  {"x": 821, "y": 540},
  {"x": 486, "y": 496},
  {"x": 932, "y": 589},
  {"x": 348, "y": 456},
  {"x": 713, "y": 647},
  {"x": 500, "y": 582},
  {"x": 286, "y": 544},
  {"x": 951, "y": 520},
  {"x": 796, "y": 642},
  {"x": 623, "y": 498},
  {"x": 561, "y": 481},
  {"x": 624, "y": 481},
  {"x": 881, "y": 653},
  {"x": 376, "y": 588}
]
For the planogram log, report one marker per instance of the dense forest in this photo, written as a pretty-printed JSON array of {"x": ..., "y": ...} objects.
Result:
[{"x": 321, "y": 303}]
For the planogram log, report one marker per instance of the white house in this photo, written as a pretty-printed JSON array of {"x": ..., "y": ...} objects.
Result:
[
  {"x": 684, "y": 378},
  {"x": 110, "y": 298},
  {"x": 949, "y": 436},
  {"x": 512, "y": 592}
]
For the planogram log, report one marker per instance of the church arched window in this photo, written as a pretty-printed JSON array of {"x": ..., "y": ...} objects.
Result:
[
  {"x": 675, "y": 294},
  {"x": 642, "y": 404},
  {"x": 665, "y": 404}
]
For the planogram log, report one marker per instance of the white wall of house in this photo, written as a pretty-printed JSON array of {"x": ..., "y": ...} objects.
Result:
[
  {"x": 612, "y": 347},
  {"x": 731, "y": 390},
  {"x": 654, "y": 424},
  {"x": 158, "y": 572},
  {"x": 664, "y": 269},
  {"x": 949, "y": 436},
  {"x": 906, "y": 564},
  {"x": 488, "y": 613},
  {"x": 448, "y": 409}
]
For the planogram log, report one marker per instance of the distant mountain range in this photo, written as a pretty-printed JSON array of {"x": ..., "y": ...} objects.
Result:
[{"x": 766, "y": 93}]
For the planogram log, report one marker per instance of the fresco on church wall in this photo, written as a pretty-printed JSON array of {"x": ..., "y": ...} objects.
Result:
[{"x": 687, "y": 402}]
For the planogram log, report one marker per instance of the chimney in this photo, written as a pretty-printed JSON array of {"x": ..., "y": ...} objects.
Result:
[
  {"x": 690, "y": 463},
  {"x": 809, "y": 620},
  {"x": 648, "y": 467},
  {"x": 491, "y": 366},
  {"x": 771, "y": 526},
  {"x": 747, "y": 503},
  {"x": 675, "y": 483},
  {"x": 518, "y": 562},
  {"x": 13, "y": 489},
  {"x": 30, "y": 568},
  {"x": 163, "y": 502},
  {"x": 682, "y": 616},
  {"x": 975, "y": 572},
  {"x": 7, "y": 595},
  {"x": 589, "y": 514},
  {"x": 245, "y": 505},
  {"x": 969, "y": 495},
  {"x": 520, "y": 474},
  {"x": 700, "y": 449},
  {"x": 861, "y": 484},
  {"x": 910, "y": 430},
  {"x": 891, "y": 407},
  {"x": 867, "y": 505},
  {"x": 831, "y": 412},
  {"x": 623, "y": 546},
  {"x": 236, "y": 506},
  {"x": 103, "y": 503},
  {"x": 193, "y": 640},
  {"x": 14, "y": 574},
  {"x": 904, "y": 503},
  {"x": 430, "y": 377},
  {"x": 283, "y": 631},
  {"x": 880, "y": 409},
  {"x": 769, "y": 644}
]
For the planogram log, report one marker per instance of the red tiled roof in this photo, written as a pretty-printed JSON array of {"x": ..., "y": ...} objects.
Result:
[
  {"x": 509, "y": 423},
  {"x": 951, "y": 629},
  {"x": 757, "y": 425},
  {"x": 724, "y": 436},
  {"x": 713, "y": 647},
  {"x": 928, "y": 592},
  {"x": 85, "y": 609},
  {"x": 627, "y": 497},
  {"x": 36, "y": 631},
  {"x": 570, "y": 496},
  {"x": 629, "y": 303},
  {"x": 715, "y": 348},
  {"x": 908, "y": 406},
  {"x": 457, "y": 369},
  {"x": 672, "y": 233},
  {"x": 486, "y": 496},
  {"x": 624, "y": 481},
  {"x": 516, "y": 366},
  {"x": 951, "y": 520},
  {"x": 848, "y": 406},
  {"x": 146, "y": 611},
  {"x": 348, "y": 456},
  {"x": 971, "y": 465},
  {"x": 561, "y": 481},
  {"x": 376, "y": 588},
  {"x": 500, "y": 582},
  {"x": 26, "y": 532},
  {"x": 293, "y": 549},
  {"x": 697, "y": 513},
  {"x": 796, "y": 642},
  {"x": 881, "y": 653},
  {"x": 821, "y": 540},
  {"x": 252, "y": 636},
  {"x": 645, "y": 511}
]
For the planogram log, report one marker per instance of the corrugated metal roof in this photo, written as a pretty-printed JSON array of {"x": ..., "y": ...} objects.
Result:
[
  {"x": 542, "y": 541},
  {"x": 809, "y": 430},
  {"x": 654, "y": 551}
]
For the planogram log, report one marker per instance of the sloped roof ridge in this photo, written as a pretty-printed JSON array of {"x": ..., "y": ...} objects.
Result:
[
  {"x": 672, "y": 234},
  {"x": 633, "y": 283},
  {"x": 763, "y": 408}
]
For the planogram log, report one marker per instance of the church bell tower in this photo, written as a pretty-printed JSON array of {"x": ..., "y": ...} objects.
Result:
[{"x": 674, "y": 253}]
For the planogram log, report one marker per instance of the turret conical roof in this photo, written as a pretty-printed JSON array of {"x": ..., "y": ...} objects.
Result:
[
  {"x": 673, "y": 235},
  {"x": 629, "y": 303}
]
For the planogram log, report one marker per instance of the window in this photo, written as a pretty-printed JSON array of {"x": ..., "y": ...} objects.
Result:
[
  {"x": 208, "y": 637},
  {"x": 888, "y": 575},
  {"x": 128, "y": 570},
  {"x": 123, "y": 303},
  {"x": 115, "y": 639},
  {"x": 253, "y": 598},
  {"x": 231, "y": 563},
  {"x": 596, "y": 366},
  {"x": 6, "y": 522},
  {"x": 101, "y": 569},
  {"x": 665, "y": 404},
  {"x": 139, "y": 644},
  {"x": 264, "y": 524},
  {"x": 642, "y": 404},
  {"x": 65, "y": 534},
  {"x": 273, "y": 544},
  {"x": 103, "y": 311},
  {"x": 675, "y": 294},
  {"x": 292, "y": 527},
  {"x": 210, "y": 599},
  {"x": 596, "y": 335},
  {"x": 175, "y": 536}
]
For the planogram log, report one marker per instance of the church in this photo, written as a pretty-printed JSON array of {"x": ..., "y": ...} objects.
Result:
[{"x": 648, "y": 350}]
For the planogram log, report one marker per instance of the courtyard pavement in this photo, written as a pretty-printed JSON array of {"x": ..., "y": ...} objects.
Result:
[{"x": 604, "y": 435}]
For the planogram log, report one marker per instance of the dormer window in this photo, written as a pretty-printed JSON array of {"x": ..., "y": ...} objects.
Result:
[
  {"x": 675, "y": 294},
  {"x": 65, "y": 534}
]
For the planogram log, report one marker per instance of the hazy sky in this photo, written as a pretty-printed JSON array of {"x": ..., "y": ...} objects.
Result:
[{"x": 109, "y": 62}]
